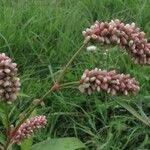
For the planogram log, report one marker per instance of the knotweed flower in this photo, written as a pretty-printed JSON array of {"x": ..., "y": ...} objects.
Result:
[
  {"x": 127, "y": 36},
  {"x": 9, "y": 82},
  {"x": 28, "y": 127},
  {"x": 109, "y": 81}
]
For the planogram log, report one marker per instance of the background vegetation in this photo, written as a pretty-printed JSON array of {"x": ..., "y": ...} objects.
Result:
[{"x": 41, "y": 36}]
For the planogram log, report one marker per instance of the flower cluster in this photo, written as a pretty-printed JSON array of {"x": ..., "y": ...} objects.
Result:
[
  {"x": 127, "y": 36},
  {"x": 109, "y": 81},
  {"x": 28, "y": 127},
  {"x": 9, "y": 82}
]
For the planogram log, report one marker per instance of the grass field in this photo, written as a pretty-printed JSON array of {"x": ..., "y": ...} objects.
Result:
[{"x": 42, "y": 35}]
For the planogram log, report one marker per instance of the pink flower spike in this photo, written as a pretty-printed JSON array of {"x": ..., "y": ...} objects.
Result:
[
  {"x": 108, "y": 81},
  {"x": 9, "y": 82},
  {"x": 127, "y": 36},
  {"x": 28, "y": 128}
]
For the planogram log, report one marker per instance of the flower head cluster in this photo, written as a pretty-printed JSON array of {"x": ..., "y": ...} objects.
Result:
[
  {"x": 109, "y": 81},
  {"x": 127, "y": 36},
  {"x": 27, "y": 128},
  {"x": 9, "y": 82}
]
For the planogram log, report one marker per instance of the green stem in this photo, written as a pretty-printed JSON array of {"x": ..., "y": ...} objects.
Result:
[
  {"x": 28, "y": 113},
  {"x": 70, "y": 83},
  {"x": 70, "y": 61},
  {"x": 7, "y": 145},
  {"x": 7, "y": 117},
  {"x": 7, "y": 125}
]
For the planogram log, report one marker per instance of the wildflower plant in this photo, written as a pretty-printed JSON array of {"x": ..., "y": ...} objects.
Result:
[{"x": 127, "y": 36}]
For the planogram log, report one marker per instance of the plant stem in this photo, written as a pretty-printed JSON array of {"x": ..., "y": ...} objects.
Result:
[
  {"x": 28, "y": 113},
  {"x": 58, "y": 80},
  {"x": 7, "y": 125},
  {"x": 70, "y": 83},
  {"x": 7, "y": 145},
  {"x": 70, "y": 61},
  {"x": 7, "y": 117}
]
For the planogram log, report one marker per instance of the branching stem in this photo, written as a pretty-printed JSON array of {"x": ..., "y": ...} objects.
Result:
[{"x": 60, "y": 78}]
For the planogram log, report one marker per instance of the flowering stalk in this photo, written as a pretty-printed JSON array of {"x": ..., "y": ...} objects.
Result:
[
  {"x": 127, "y": 36},
  {"x": 9, "y": 86},
  {"x": 72, "y": 59},
  {"x": 56, "y": 86},
  {"x": 70, "y": 84},
  {"x": 53, "y": 88}
]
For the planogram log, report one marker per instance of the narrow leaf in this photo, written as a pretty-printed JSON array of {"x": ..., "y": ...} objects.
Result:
[
  {"x": 133, "y": 112},
  {"x": 22, "y": 95}
]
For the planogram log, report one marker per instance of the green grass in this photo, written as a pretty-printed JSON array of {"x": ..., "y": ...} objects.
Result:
[{"x": 41, "y": 36}]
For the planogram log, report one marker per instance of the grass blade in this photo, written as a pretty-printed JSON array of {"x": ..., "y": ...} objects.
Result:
[{"x": 133, "y": 112}]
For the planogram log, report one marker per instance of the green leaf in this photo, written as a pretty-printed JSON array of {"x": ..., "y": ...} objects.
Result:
[
  {"x": 143, "y": 114},
  {"x": 26, "y": 144},
  {"x": 69, "y": 143},
  {"x": 2, "y": 139},
  {"x": 22, "y": 95},
  {"x": 133, "y": 112},
  {"x": 34, "y": 113}
]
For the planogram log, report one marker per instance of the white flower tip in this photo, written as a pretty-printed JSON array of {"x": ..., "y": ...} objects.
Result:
[{"x": 91, "y": 48}]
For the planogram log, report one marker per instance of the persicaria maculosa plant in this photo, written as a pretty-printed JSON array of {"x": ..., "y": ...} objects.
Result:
[{"x": 127, "y": 36}]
